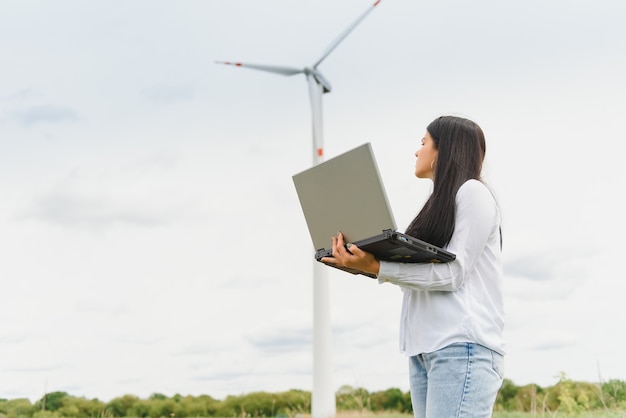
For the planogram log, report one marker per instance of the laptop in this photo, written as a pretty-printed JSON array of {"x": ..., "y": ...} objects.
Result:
[{"x": 346, "y": 194}]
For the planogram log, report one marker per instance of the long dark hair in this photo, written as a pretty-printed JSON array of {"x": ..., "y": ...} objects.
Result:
[{"x": 461, "y": 147}]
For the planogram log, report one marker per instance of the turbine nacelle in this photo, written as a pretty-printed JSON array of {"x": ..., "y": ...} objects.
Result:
[{"x": 319, "y": 78}]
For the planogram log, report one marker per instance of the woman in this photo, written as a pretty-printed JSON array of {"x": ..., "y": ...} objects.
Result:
[{"x": 452, "y": 313}]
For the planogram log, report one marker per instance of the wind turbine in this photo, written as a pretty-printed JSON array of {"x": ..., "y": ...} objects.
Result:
[{"x": 323, "y": 398}]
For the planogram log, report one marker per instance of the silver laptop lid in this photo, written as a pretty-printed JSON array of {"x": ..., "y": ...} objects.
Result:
[{"x": 344, "y": 194}]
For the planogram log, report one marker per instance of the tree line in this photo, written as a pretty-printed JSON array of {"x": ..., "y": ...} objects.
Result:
[{"x": 566, "y": 396}]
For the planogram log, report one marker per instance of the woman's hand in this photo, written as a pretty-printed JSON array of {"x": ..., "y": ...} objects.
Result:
[{"x": 351, "y": 256}]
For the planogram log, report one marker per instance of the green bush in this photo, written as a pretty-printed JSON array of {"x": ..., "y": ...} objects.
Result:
[{"x": 565, "y": 398}]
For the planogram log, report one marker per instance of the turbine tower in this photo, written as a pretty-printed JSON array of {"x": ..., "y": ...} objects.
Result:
[{"x": 323, "y": 403}]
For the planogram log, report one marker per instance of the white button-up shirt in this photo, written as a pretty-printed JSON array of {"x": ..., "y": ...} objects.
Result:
[{"x": 458, "y": 301}]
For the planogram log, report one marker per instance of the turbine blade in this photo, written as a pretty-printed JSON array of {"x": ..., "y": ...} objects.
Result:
[
  {"x": 269, "y": 68},
  {"x": 341, "y": 37}
]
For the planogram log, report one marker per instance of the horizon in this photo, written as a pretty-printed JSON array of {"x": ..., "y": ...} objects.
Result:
[{"x": 148, "y": 397}]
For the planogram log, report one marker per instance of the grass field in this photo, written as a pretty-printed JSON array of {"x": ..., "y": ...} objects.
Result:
[{"x": 590, "y": 414}]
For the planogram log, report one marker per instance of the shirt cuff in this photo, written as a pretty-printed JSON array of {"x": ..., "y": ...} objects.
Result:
[{"x": 387, "y": 272}]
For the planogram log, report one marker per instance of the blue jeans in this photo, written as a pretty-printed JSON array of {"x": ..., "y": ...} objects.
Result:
[{"x": 459, "y": 381}]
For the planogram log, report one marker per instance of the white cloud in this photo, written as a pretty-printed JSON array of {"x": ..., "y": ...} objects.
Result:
[{"x": 45, "y": 114}]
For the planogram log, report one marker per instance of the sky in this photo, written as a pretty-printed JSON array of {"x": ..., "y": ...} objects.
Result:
[{"x": 151, "y": 239}]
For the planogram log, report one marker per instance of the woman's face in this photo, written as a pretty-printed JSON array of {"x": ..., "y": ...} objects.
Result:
[{"x": 426, "y": 158}]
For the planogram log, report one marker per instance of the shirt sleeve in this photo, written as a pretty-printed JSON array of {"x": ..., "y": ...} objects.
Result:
[{"x": 476, "y": 217}]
